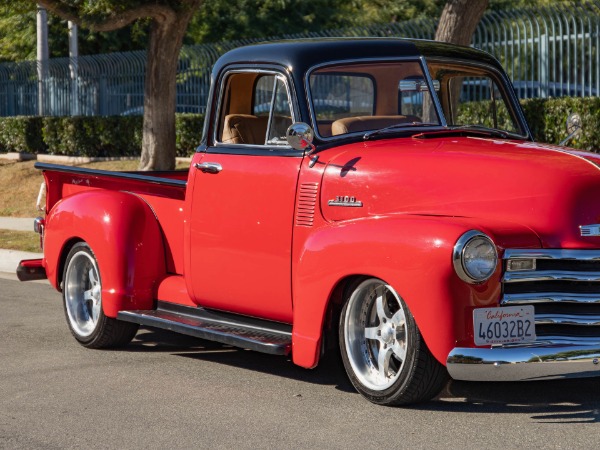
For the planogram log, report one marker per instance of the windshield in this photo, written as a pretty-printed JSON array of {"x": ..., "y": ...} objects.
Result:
[
  {"x": 473, "y": 95},
  {"x": 396, "y": 96},
  {"x": 362, "y": 97}
]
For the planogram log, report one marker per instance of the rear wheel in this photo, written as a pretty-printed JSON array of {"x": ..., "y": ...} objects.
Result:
[
  {"x": 383, "y": 352},
  {"x": 82, "y": 295}
]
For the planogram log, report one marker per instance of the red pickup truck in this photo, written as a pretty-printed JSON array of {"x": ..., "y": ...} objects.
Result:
[{"x": 380, "y": 197}]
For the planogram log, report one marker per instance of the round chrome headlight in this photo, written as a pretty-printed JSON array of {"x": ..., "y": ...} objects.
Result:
[{"x": 475, "y": 257}]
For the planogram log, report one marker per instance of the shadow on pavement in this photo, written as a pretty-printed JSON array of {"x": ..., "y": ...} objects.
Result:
[
  {"x": 555, "y": 401},
  {"x": 329, "y": 372}
]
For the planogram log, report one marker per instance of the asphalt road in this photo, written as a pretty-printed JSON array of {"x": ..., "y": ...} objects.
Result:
[{"x": 166, "y": 391}]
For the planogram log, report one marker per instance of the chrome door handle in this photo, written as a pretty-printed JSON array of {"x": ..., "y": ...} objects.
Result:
[{"x": 209, "y": 167}]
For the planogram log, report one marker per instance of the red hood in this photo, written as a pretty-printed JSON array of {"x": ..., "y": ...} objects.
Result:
[{"x": 551, "y": 190}]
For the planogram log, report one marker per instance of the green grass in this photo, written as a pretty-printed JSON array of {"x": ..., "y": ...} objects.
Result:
[{"x": 26, "y": 241}]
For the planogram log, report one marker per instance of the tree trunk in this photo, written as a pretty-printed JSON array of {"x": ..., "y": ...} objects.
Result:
[
  {"x": 169, "y": 24},
  {"x": 158, "y": 141},
  {"x": 459, "y": 20}
]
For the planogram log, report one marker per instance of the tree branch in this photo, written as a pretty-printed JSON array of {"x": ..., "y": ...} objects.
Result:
[{"x": 114, "y": 21}]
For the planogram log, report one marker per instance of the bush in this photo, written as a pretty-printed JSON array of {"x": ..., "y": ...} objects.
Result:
[
  {"x": 188, "y": 132},
  {"x": 547, "y": 119},
  {"x": 93, "y": 136},
  {"x": 21, "y": 134},
  {"x": 114, "y": 135},
  {"x": 122, "y": 135}
]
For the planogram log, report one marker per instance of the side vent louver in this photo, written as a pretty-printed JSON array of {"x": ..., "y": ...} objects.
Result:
[{"x": 307, "y": 201}]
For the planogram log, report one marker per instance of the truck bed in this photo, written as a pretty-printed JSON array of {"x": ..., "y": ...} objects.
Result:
[{"x": 164, "y": 192}]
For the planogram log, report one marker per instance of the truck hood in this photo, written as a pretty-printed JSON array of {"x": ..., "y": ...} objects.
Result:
[{"x": 548, "y": 189}]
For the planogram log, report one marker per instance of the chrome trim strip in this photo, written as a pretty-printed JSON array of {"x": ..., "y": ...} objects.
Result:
[
  {"x": 585, "y": 255},
  {"x": 564, "y": 340},
  {"x": 569, "y": 152},
  {"x": 524, "y": 363},
  {"x": 589, "y": 230},
  {"x": 550, "y": 275},
  {"x": 357, "y": 204},
  {"x": 549, "y": 297},
  {"x": 567, "y": 319}
]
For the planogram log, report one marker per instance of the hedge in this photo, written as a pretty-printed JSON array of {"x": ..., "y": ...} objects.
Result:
[
  {"x": 92, "y": 136},
  {"x": 122, "y": 135},
  {"x": 22, "y": 134},
  {"x": 547, "y": 120},
  {"x": 188, "y": 131}
]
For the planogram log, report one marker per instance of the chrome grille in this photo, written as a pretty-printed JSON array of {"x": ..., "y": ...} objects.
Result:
[{"x": 564, "y": 288}]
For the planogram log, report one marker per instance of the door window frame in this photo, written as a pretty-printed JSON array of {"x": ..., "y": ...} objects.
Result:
[{"x": 253, "y": 149}]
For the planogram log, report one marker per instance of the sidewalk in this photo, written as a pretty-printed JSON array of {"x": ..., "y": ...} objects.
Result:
[
  {"x": 16, "y": 224},
  {"x": 9, "y": 259}
]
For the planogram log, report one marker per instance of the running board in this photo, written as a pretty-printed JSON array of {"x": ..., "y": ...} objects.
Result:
[{"x": 232, "y": 329}]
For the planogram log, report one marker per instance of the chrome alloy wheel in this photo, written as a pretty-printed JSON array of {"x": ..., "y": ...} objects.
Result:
[
  {"x": 83, "y": 293},
  {"x": 375, "y": 334}
]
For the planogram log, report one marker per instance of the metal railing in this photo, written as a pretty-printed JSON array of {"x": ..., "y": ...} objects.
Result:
[{"x": 552, "y": 51}]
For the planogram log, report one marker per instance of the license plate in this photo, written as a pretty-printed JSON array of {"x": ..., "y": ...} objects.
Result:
[{"x": 508, "y": 325}]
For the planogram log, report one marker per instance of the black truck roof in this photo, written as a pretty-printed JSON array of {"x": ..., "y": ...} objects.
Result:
[{"x": 300, "y": 55}]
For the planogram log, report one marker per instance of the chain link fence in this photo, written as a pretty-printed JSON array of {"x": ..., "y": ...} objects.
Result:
[{"x": 547, "y": 52}]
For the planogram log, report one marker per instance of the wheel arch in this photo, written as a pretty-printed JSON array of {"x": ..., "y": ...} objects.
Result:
[
  {"x": 333, "y": 308},
  {"x": 64, "y": 253},
  {"x": 413, "y": 254},
  {"x": 124, "y": 234}
]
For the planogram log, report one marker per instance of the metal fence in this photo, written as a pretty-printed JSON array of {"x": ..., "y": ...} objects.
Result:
[{"x": 552, "y": 51}]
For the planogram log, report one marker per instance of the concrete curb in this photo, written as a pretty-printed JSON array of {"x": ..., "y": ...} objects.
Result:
[
  {"x": 14, "y": 156},
  {"x": 9, "y": 259}
]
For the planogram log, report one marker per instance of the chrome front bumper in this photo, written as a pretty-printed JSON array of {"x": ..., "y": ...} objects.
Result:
[{"x": 521, "y": 363}]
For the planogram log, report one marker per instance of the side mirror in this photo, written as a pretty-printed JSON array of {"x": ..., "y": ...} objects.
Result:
[
  {"x": 300, "y": 136},
  {"x": 574, "y": 128}
]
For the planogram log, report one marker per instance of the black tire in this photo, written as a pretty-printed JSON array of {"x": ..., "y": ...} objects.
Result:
[
  {"x": 383, "y": 352},
  {"x": 82, "y": 300}
]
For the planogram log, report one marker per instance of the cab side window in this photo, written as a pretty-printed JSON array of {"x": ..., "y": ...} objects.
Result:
[{"x": 255, "y": 109}]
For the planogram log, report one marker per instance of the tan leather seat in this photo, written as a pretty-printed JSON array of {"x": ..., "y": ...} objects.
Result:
[
  {"x": 249, "y": 129},
  {"x": 244, "y": 129},
  {"x": 364, "y": 123},
  {"x": 324, "y": 127}
]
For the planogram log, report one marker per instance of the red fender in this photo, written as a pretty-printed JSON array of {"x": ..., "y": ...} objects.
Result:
[
  {"x": 414, "y": 255},
  {"x": 123, "y": 233}
]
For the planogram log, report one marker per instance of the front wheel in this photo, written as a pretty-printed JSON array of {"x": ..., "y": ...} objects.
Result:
[
  {"x": 383, "y": 352},
  {"x": 82, "y": 295}
]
